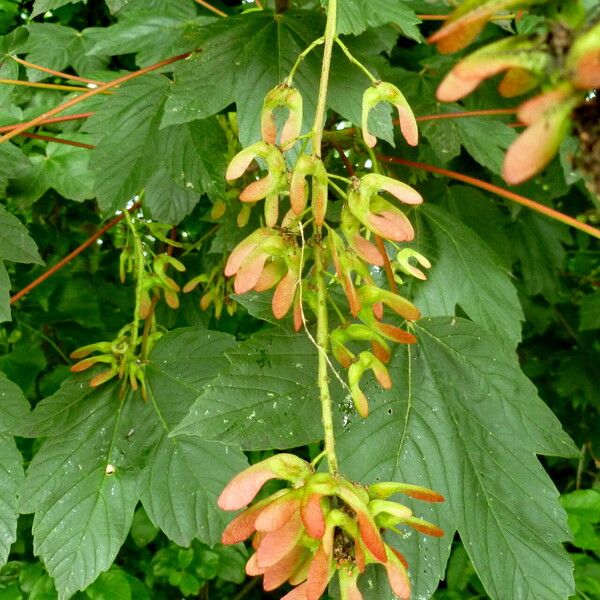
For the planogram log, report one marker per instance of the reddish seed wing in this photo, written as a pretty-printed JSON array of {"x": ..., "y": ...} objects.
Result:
[
  {"x": 284, "y": 569},
  {"x": 284, "y": 295},
  {"x": 458, "y": 34},
  {"x": 318, "y": 575},
  {"x": 277, "y": 514},
  {"x": 277, "y": 544},
  {"x": 371, "y": 537},
  {"x": 299, "y": 593},
  {"x": 312, "y": 516},
  {"x": 242, "y": 489}
]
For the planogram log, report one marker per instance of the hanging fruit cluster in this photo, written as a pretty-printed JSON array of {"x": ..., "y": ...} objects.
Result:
[
  {"x": 276, "y": 255},
  {"x": 320, "y": 525},
  {"x": 324, "y": 524},
  {"x": 566, "y": 62}
]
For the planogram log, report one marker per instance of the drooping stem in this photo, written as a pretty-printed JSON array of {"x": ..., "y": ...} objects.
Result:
[
  {"x": 301, "y": 57},
  {"x": 317, "y": 131},
  {"x": 319, "y": 254},
  {"x": 139, "y": 266},
  {"x": 355, "y": 60},
  {"x": 322, "y": 342}
]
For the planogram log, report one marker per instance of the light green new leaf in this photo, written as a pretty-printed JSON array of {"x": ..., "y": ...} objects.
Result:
[
  {"x": 462, "y": 419},
  {"x": 354, "y": 16},
  {"x": 127, "y": 153},
  {"x": 266, "y": 398},
  {"x": 465, "y": 272},
  {"x": 185, "y": 475}
]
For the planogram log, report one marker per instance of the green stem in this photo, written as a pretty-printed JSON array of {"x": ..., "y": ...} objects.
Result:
[
  {"x": 322, "y": 376},
  {"x": 355, "y": 60},
  {"x": 301, "y": 57},
  {"x": 139, "y": 262},
  {"x": 317, "y": 131}
]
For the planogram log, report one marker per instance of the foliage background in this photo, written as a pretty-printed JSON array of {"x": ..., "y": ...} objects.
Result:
[{"x": 494, "y": 263}]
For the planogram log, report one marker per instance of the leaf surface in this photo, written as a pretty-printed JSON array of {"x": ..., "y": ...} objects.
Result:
[
  {"x": 354, "y": 16},
  {"x": 465, "y": 272},
  {"x": 186, "y": 474},
  {"x": 128, "y": 149},
  {"x": 266, "y": 398},
  {"x": 470, "y": 429}
]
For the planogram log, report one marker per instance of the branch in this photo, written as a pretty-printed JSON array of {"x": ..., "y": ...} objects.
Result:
[
  {"x": 48, "y": 121},
  {"x": 74, "y": 101},
  {"x": 31, "y": 65},
  {"x": 494, "y": 189},
  {"x": 48, "y": 86},
  {"x": 48, "y": 138},
  {"x": 211, "y": 8},
  {"x": 468, "y": 113},
  {"x": 67, "y": 259}
]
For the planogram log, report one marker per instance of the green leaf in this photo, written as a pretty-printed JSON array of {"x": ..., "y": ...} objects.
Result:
[
  {"x": 166, "y": 201},
  {"x": 11, "y": 478},
  {"x": 266, "y": 398},
  {"x": 13, "y": 405},
  {"x": 58, "y": 47},
  {"x": 589, "y": 312},
  {"x": 64, "y": 168},
  {"x": 463, "y": 420},
  {"x": 41, "y": 6},
  {"x": 82, "y": 483},
  {"x": 153, "y": 37},
  {"x": 185, "y": 475},
  {"x": 112, "y": 585},
  {"x": 486, "y": 140},
  {"x": 4, "y": 294},
  {"x": 13, "y": 409},
  {"x": 465, "y": 272},
  {"x": 127, "y": 151},
  {"x": 538, "y": 244},
  {"x": 354, "y": 16},
  {"x": 13, "y": 162},
  {"x": 15, "y": 243},
  {"x": 196, "y": 156}
]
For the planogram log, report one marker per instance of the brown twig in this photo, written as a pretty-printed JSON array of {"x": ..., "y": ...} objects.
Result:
[
  {"x": 31, "y": 65},
  {"x": 211, "y": 8},
  {"x": 484, "y": 185},
  {"x": 48, "y": 86},
  {"x": 48, "y": 138},
  {"x": 67, "y": 259},
  {"x": 467, "y": 113},
  {"x": 74, "y": 101},
  {"x": 433, "y": 17},
  {"x": 48, "y": 121}
]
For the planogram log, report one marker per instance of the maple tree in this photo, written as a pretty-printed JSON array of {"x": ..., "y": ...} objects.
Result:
[{"x": 293, "y": 308}]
